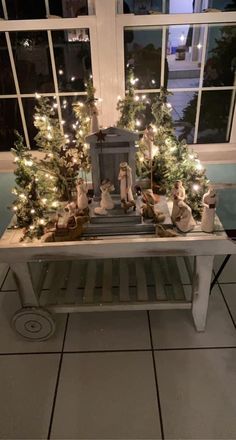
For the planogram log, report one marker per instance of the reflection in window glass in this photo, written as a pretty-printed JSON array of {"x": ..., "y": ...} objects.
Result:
[
  {"x": 32, "y": 59},
  {"x": 183, "y": 54},
  {"x": 175, "y": 6},
  {"x": 68, "y": 114},
  {"x": 220, "y": 65},
  {"x": 143, "y": 55},
  {"x": 7, "y": 85},
  {"x": 215, "y": 118},
  {"x": 68, "y": 8},
  {"x": 223, "y": 5},
  {"x": 72, "y": 58},
  {"x": 184, "y": 106},
  {"x": 1, "y": 11},
  {"x": 10, "y": 121},
  {"x": 25, "y": 9},
  {"x": 142, "y": 7}
]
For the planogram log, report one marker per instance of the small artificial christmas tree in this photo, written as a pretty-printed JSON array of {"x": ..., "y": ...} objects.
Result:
[
  {"x": 34, "y": 196},
  {"x": 61, "y": 162},
  {"x": 86, "y": 122},
  {"x": 130, "y": 106},
  {"x": 162, "y": 157}
]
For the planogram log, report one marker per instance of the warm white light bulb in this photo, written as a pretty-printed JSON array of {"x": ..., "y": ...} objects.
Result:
[
  {"x": 32, "y": 211},
  {"x": 196, "y": 187},
  {"x": 136, "y": 98},
  {"x": 199, "y": 46},
  {"x": 37, "y": 95},
  {"x": 60, "y": 71},
  {"x": 137, "y": 123}
]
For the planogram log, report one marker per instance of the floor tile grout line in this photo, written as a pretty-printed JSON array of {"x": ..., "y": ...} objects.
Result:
[
  {"x": 4, "y": 280},
  {"x": 156, "y": 379},
  {"x": 58, "y": 379},
  {"x": 226, "y": 304},
  {"x": 141, "y": 350}
]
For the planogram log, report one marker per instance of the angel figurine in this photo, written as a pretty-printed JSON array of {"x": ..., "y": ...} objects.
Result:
[
  {"x": 106, "y": 188},
  {"x": 125, "y": 178},
  {"x": 178, "y": 195},
  {"x": 106, "y": 201},
  {"x": 208, "y": 215},
  {"x": 82, "y": 200}
]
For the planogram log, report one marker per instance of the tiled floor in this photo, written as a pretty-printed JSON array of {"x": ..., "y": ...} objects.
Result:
[{"x": 123, "y": 375}]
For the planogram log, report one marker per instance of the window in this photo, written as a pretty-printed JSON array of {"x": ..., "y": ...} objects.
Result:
[
  {"x": 198, "y": 66},
  {"x": 54, "y": 46}
]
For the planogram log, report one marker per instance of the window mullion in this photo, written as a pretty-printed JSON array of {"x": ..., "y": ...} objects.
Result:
[
  {"x": 163, "y": 53},
  {"x": 200, "y": 84}
]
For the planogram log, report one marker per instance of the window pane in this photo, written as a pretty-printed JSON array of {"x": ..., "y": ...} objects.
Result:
[
  {"x": 72, "y": 58},
  {"x": 1, "y": 11},
  {"x": 215, "y": 116},
  {"x": 68, "y": 114},
  {"x": 224, "y": 5},
  {"x": 220, "y": 65},
  {"x": 7, "y": 85},
  {"x": 10, "y": 121},
  {"x": 25, "y": 9},
  {"x": 69, "y": 8},
  {"x": 175, "y": 6},
  {"x": 184, "y": 50},
  {"x": 29, "y": 110},
  {"x": 32, "y": 59},
  {"x": 141, "y": 6},
  {"x": 143, "y": 54},
  {"x": 184, "y": 106}
]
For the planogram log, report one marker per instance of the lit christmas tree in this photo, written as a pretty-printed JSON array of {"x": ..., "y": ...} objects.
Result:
[
  {"x": 86, "y": 122},
  {"x": 34, "y": 195},
  {"x": 165, "y": 159},
  {"x": 130, "y": 106},
  {"x": 61, "y": 161}
]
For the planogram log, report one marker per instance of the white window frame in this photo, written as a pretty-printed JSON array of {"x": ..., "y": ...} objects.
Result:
[{"x": 107, "y": 54}]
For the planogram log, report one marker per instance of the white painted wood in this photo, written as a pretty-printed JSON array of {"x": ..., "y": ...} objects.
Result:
[
  {"x": 106, "y": 36},
  {"x": 119, "y": 307},
  {"x": 59, "y": 280},
  {"x": 142, "y": 293},
  {"x": 107, "y": 281},
  {"x": 201, "y": 289},
  {"x": 175, "y": 278},
  {"x": 158, "y": 279},
  {"x": 74, "y": 282},
  {"x": 23, "y": 280},
  {"x": 124, "y": 280},
  {"x": 90, "y": 282}
]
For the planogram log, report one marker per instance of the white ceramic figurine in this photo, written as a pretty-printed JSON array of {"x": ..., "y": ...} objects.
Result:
[{"x": 209, "y": 210}]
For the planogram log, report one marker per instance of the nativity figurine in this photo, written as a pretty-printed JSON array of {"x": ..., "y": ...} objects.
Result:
[
  {"x": 184, "y": 221},
  {"x": 209, "y": 210},
  {"x": 178, "y": 194},
  {"x": 125, "y": 178}
]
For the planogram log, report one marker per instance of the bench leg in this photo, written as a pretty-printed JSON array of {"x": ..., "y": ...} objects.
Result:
[
  {"x": 22, "y": 277},
  {"x": 203, "y": 266}
]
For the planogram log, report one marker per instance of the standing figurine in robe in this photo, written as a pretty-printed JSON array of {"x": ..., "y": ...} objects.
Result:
[
  {"x": 178, "y": 195},
  {"x": 125, "y": 178},
  {"x": 184, "y": 221},
  {"x": 82, "y": 200},
  {"x": 209, "y": 210}
]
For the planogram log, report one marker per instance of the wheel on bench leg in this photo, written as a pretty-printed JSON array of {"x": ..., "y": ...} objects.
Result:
[{"x": 33, "y": 323}]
